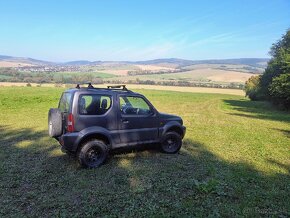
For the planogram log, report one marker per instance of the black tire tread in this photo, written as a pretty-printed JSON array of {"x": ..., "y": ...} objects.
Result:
[
  {"x": 176, "y": 135},
  {"x": 85, "y": 147}
]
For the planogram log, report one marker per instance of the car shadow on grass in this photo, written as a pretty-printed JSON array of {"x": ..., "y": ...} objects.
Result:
[
  {"x": 38, "y": 180},
  {"x": 285, "y": 132},
  {"x": 257, "y": 109}
]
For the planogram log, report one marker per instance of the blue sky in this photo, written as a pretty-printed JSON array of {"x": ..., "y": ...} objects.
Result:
[{"x": 141, "y": 30}]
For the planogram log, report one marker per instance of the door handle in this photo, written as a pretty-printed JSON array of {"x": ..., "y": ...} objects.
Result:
[{"x": 125, "y": 121}]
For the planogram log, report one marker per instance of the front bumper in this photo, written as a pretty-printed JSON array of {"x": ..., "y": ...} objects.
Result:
[{"x": 184, "y": 131}]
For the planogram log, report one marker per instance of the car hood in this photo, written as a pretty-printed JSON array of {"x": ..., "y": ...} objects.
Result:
[{"x": 169, "y": 117}]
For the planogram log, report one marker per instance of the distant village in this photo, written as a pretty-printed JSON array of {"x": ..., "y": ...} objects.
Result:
[{"x": 53, "y": 68}]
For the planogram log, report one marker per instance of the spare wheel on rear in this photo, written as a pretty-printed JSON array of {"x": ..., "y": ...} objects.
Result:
[{"x": 54, "y": 122}]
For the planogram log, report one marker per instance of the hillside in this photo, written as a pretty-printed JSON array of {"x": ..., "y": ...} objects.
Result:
[
  {"x": 231, "y": 73},
  {"x": 10, "y": 61},
  {"x": 258, "y": 62}
]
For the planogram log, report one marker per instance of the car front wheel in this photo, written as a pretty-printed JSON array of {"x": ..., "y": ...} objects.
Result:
[{"x": 171, "y": 143}]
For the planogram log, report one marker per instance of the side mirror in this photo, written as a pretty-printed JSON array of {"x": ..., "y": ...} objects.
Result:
[{"x": 151, "y": 113}]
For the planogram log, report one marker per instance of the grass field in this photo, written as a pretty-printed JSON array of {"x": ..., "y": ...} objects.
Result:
[
  {"x": 13, "y": 64},
  {"x": 139, "y": 86},
  {"x": 233, "y": 67},
  {"x": 80, "y": 74},
  {"x": 198, "y": 75},
  {"x": 207, "y": 75},
  {"x": 235, "y": 162}
]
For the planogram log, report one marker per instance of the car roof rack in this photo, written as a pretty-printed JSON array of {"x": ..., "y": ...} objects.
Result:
[
  {"x": 113, "y": 87},
  {"x": 90, "y": 86}
]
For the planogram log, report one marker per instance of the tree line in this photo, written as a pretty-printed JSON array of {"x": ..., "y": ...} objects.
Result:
[
  {"x": 179, "y": 83},
  {"x": 152, "y": 72},
  {"x": 274, "y": 84},
  {"x": 13, "y": 75}
]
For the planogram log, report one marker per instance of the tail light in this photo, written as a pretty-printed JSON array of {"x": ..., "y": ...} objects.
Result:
[{"x": 70, "y": 123}]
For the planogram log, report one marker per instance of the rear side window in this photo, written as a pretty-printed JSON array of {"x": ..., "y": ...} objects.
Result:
[
  {"x": 65, "y": 102},
  {"x": 94, "y": 104}
]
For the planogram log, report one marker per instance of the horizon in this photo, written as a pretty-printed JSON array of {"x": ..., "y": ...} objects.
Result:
[
  {"x": 170, "y": 58},
  {"x": 140, "y": 31}
]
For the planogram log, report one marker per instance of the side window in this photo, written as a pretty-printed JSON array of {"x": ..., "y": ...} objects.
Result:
[
  {"x": 65, "y": 102},
  {"x": 94, "y": 104},
  {"x": 106, "y": 101},
  {"x": 130, "y": 105}
]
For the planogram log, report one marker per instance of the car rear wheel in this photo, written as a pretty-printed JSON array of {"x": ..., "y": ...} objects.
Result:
[
  {"x": 54, "y": 122},
  {"x": 171, "y": 143},
  {"x": 93, "y": 154}
]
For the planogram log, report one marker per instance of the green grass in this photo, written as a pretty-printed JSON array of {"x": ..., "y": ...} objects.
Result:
[
  {"x": 188, "y": 76},
  {"x": 5, "y": 77},
  {"x": 195, "y": 75},
  {"x": 94, "y": 74},
  {"x": 234, "y": 162}
]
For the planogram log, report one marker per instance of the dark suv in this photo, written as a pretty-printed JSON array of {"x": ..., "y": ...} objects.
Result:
[{"x": 91, "y": 121}]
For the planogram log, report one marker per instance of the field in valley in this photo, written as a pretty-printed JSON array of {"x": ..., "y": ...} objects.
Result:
[
  {"x": 218, "y": 73},
  {"x": 13, "y": 64},
  {"x": 234, "y": 162},
  {"x": 177, "y": 72},
  {"x": 198, "y": 75}
]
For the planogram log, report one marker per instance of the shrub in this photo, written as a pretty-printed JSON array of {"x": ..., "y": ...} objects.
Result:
[
  {"x": 280, "y": 90},
  {"x": 253, "y": 88},
  {"x": 28, "y": 85},
  {"x": 57, "y": 85}
]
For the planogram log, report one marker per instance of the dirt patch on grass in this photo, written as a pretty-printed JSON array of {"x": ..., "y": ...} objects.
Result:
[
  {"x": 115, "y": 72},
  {"x": 153, "y": 67},
  {"x": 13, "y": 64},
  {"x": 230, "y": 76}
]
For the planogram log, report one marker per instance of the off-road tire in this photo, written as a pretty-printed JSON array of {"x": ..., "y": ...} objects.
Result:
[
  {"x": 92, "y": 154},
  {"x": 171, "y": 143}
]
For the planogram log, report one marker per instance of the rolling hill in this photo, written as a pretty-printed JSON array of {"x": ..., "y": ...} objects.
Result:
[
  {"x": 219, "y": 72},
  {"x": 18, "y": 61},
  {"x": 257, "y": 62}
]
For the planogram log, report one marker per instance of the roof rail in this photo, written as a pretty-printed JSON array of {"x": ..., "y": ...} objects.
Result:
[
  {"x": 90, "y": 86},
  {"x": 118, "y": 87},
  {"x": 114, "y": 87}
]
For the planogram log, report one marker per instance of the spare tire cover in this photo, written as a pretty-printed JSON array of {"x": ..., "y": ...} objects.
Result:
[{"x": 54, "y": 122}]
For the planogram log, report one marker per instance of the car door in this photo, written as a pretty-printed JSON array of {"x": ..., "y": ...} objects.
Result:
[{"x": 138, "y": 119}]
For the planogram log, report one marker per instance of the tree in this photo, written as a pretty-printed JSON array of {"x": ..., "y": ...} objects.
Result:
[
  {"x": 252, "y": 88},
  {"x": 274, "y": 83},
  {"x": 279, "y": 63},
  {"x": 280, "y": 90}
]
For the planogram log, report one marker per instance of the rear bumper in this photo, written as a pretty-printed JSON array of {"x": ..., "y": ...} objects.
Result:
[{"x": 69, "y": 141}]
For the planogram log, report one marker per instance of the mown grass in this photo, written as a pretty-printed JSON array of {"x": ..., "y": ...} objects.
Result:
[
  {"x": 234, "y": 162},
  {"x": 93, "y": 74}
]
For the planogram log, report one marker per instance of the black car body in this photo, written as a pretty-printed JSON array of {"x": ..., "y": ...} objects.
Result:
[{"x": 116, "y": 116}]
